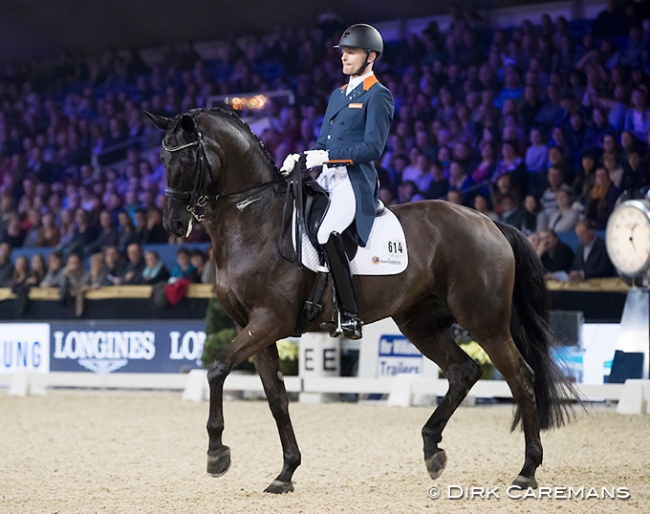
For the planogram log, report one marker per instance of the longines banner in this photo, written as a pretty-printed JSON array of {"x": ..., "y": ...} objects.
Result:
[{"x": 102, "y": 346}]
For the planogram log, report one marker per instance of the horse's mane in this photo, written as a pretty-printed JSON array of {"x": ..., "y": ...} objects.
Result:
[{"x": 232, "y": 116}]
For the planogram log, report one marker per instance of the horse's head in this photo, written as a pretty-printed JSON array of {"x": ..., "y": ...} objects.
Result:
[{"x": 191, "y": 172}]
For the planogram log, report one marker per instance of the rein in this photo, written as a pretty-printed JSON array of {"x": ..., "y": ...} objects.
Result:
[{"x": 196, "y": 197}]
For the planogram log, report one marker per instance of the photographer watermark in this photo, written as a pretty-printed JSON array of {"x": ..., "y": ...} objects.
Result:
[{"x": 459, "y": 492}]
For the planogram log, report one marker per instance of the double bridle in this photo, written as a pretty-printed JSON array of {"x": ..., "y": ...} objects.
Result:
[{"x": 196, "y": 198}]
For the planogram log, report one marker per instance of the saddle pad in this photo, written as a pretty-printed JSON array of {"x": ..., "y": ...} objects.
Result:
[{"x": 385, "y": 253}]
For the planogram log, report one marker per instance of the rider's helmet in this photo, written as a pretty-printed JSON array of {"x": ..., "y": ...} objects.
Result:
[{"x": 362, "y": 36}]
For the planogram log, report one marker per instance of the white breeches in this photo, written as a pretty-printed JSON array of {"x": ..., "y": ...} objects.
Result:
[{"x": 343, "y": 206}]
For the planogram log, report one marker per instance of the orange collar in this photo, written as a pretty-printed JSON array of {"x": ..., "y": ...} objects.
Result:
[{"x": 369, "y": 82}]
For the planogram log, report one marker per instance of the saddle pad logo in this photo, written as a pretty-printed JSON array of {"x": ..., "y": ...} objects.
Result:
[{"x": 375, "y": 259}]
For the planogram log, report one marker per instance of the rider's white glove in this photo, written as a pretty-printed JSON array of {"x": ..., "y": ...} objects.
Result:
[
  {"x": 316, "y": 158},
  {"x": 289, "y": 163}
]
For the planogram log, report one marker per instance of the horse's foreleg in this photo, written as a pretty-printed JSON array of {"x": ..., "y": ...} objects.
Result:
[
  {"x": 430, "y": 334},
  {"x": 267, "y": 364},
  {"x": 250, "y": 340}
]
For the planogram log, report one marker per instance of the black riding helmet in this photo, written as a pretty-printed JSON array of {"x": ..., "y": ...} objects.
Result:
[{"x": 362, "y": 36}]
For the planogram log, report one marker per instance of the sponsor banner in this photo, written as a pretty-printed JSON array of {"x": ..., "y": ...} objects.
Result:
[
  {"x": 24, "y": 346},
  {"x": 146, "y": 346}
]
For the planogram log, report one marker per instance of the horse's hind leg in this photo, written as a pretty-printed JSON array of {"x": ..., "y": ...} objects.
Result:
[
  {"x": 520, "y": 378},
  {"x": 430, "y": 333},
  {"x": 267, "y": 364}
]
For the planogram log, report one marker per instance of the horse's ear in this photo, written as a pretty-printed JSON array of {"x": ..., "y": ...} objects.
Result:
[
  {"x": 160, "y": 121},
  {"x": 187, "y": 123}
]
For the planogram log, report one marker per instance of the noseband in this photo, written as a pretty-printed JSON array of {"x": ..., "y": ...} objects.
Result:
[{"x": 196, "y": 198}]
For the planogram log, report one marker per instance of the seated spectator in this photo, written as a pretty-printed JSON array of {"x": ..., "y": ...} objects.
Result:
[
  {"x": 183, "y": 267},
  {"x": 6, "y": 266},
  {"x": 38, "y": 270},
  {"x": 510, "y": 163},
  {"x": 84, "y": 235},
  {"x": 408, "y": 192},
  {"x": 536, "y": 163},
  {"x": 459, "y": 179},
  {"x": 486, "y": 167},
  {"x": 156, "y": 234},
  {"x": 155, "y": 270},
  {"x": 127, "y": 231},
  {"x": 585, "y": 177},
  {"x": 140, "y": 226},
  {"x": 439, "y": 184},
  {"x": 548, "y": 200},
  {"x": 420, "y": 174},
  {"x": 602, "y": 200},
  {"x": 503, "y": 187},
  {"x": 591, "y": 259},
  {"x": 611, "y": 163},
  {"x": 636, "y": 177},
  {"x": 455, "y": 196},
  {"x": 565, "y": 218},
  {"x": 481, "y": 205},
  {"x": 534, "y": 220},
  {"x": 31, "y": 226},
  {"x": 556, "y": 256},
  {"x": 637, "y": 117},
  {"x": 48, "y": 233},
  {"x": 197, "y": 259},
  {"x": 54, "y": 275},
  {"x": 108, "y": 235},
  {"x": 510, "y": 212},
  {"x": 132, "y": 272},
  {"x": 74, "y": 278},
  {"x": 96, "y": 272},
  {"x": 114, "y": 264},
  {"x": 21, "y": 272},
  {"x": 13, "y": 233}
]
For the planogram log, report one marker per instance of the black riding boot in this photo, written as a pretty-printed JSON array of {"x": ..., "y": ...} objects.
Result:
[{"x": 348, "y": 323}]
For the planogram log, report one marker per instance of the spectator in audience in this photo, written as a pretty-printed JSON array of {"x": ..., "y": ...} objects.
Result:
[
  {"x": 602, "y": 200},
  {"x": 6, "y": 266},
  {"x": 439, "y": 184},
  {"x": 485, "y": 168},
  {"x": 54, "y": 276},
  {"x": 38, "y": 270},
  {"x": 534, "y": 220},
  {"x": 97, "y": 271},
  {"x": 555, "y": 178},
  {"x": 591, "y": 259},
  {"x": 114, "y": 264},
  {"x": 510, "y": 212},
  {"x": 481, "y": 205},
  {"x": 208, "y": 269},
  {"x": 132, "y": 272},
  {"x": 155, "y": 270},
  {"x": 74, "y": 278},
  {"x": 183, "y": 267},
  {"x": 555, "y": 255},
  {"x": 140, "y": 226},
  {"x": 156, "y": 234},
  {"x": 636, "y": 177},
  {"x": 127, "y": 231},
  {"x": 108, "y": 235},
  {"x": 565, "y": 218},
  {"x": 197, "y": 259},
  {"x": 21, "y": 272}
]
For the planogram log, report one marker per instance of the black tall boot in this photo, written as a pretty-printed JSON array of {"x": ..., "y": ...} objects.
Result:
[{"x": 348, "y": 322}]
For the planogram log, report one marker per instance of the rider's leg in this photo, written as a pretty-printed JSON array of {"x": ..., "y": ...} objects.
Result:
[
  {"x": 337, "y": 262},
  {"x": 340, "y": 216}
]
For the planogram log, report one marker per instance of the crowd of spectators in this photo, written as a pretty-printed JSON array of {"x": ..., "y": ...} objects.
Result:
[{"x": 543, "y": 126}]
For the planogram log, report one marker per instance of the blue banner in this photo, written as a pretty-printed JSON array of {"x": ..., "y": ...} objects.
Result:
[{"x": 146, "y": 346}]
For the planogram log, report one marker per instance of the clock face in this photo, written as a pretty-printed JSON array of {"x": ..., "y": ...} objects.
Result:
[{"x": 628, "y": 238}]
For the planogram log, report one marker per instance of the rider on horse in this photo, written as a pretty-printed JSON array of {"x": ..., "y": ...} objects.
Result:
[{"x": 353, "y": 135}]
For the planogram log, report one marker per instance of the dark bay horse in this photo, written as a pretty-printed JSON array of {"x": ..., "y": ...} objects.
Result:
[{"x": 462, "y": 268}]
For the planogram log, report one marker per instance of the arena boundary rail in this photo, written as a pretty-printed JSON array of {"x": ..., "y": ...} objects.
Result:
[{"x": 194, "y": 385}]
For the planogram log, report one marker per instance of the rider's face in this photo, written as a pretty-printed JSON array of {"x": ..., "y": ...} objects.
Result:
[{"x": 352, "y": 60}]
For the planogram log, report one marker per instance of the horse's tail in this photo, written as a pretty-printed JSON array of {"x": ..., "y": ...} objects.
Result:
[{"x": 533, "y": 335}]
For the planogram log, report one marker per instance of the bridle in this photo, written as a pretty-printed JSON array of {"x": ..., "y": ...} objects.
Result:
[{"x": 196, "y": 198}]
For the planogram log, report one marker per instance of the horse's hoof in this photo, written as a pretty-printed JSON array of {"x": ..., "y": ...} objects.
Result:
[
  {"x": 436, "y": 464},
  {"x": 523, "y": 482},
  {"x": 279, "y": 487},
  {"x": 219, "y": 464}
]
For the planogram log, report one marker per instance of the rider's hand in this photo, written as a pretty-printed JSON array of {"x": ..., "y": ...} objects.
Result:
[
  {"x": 289, "y": 163},
  {"x": 316, "y": 158}
]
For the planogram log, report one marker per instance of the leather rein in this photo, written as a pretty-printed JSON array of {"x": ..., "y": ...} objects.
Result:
[{"x": 196, "y": 198}]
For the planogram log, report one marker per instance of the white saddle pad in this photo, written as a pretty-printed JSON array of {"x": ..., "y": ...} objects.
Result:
[{"x": 385, "y": 253}]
